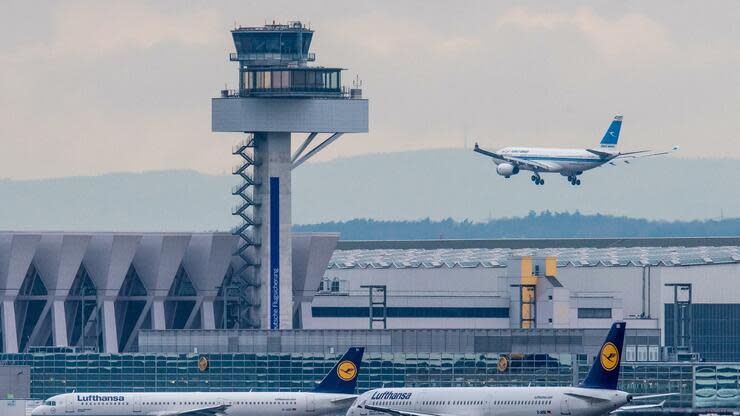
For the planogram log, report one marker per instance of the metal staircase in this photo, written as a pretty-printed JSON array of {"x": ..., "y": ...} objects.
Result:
[{"x": 245, "y": 274}]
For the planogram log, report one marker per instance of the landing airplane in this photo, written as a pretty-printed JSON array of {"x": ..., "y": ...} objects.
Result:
[
  {"x": 333, "y": 396},
  {"x": 567, "y": 162},
  {"x": 597, "y": 395}
]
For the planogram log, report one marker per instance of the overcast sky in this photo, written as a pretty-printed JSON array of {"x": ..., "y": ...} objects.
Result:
[{"x": 94, "y": 87}]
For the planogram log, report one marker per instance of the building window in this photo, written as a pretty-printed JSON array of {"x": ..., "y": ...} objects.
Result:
[
  {"x": 653, "y": 353},
  {"x": 629, "y": 353},
  {"x": 319, "y": 80},
  {"x": 642, "y": 353},
  {"x": 333, "y": 287},
  {"x": 594, "y": 313}
]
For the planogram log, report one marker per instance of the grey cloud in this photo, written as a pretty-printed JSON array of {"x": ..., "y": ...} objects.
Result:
[{"x": 89, "y": 87}]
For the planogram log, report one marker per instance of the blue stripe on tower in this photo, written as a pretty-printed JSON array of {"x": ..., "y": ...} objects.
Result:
[{"x": 274, "y": 252}]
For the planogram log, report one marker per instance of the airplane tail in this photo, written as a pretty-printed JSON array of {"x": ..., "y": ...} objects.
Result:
[
  {"x": 342, "y": 378},
  {"x": 604, "y": 373},
  {"x": 611, "y": 137}
]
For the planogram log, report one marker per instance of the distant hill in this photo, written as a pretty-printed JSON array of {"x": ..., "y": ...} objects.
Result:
[
  {"x": 544, "y": 225},
  {"x": 435, "y": 184},
  {"x": 460, "y": 184},
  {"x": 151, "y": 201}
]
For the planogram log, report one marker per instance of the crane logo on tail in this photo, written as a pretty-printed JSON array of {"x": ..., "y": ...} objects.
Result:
[
  {"x": 609, "y": 356},
  {"x": 203, "y": 364},
  {"x": 347, "y": 370}
]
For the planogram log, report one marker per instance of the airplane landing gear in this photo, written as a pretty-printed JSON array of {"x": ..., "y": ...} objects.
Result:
[
  {"x": 537, "y": 180},
  {"x": 574, "y": 180}
]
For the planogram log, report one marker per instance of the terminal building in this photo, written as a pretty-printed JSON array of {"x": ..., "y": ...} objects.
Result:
[
  {"x": 260, "y": 308},
  {"x": 497, "y": 312}
]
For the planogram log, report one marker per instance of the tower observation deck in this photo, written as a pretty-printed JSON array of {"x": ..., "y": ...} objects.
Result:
[{"x": 279, "y": 94}]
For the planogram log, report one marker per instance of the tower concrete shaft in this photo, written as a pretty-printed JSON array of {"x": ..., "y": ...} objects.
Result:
[
  {"x": 265, "y": 247},
  {"x": 273, "y": 172}
]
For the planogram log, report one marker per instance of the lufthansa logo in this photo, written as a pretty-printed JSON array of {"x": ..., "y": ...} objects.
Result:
[
  {"x": 203, "y": 364},
  {"x": 347, "y": 370},
  {"x": 503, "y": 364},
  {"x": 609, "y": 356}
]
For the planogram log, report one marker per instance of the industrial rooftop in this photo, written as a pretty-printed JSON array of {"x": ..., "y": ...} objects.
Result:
[{"x": 566, "y": 257}]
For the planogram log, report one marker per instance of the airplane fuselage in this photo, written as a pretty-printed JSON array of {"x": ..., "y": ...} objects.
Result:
[
  {"x": 492, "y": 401},
  {"x": 237, "y": 404},
  {"x": 564, "y": 161}
]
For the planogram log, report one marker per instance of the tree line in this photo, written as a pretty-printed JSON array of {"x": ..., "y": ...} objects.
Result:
[{"x": 535, "y": 225}]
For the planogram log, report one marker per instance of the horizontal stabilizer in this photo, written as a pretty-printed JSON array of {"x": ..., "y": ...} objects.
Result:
[
  {"x": 653, "y": 396},
  {"x": 639, "y": 407},
  {"x": 348, "y": 399},
  {"x": 600, "y": 153},
  {"x": 590, "y": 399}
]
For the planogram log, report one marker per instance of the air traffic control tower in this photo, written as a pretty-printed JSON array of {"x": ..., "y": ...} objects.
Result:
[{"x": 280, "y": 94}]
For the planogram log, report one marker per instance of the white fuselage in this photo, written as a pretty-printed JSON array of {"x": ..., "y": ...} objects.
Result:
[
  {"x": 239, "y": 404},
  {"x": 565, "y": 161},
  {"x": 492, "y": 401}
]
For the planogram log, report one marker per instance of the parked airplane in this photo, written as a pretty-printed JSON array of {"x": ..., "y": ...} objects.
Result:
[
  {"x": 567, "y": 162},
  {"x": 597, "y": 395},
  {"x": 333, "y": 396}
]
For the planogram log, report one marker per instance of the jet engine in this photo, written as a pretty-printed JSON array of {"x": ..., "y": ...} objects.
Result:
[{"x": 507, "y": 169}]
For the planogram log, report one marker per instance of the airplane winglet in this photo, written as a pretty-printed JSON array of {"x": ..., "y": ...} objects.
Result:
[{"x": 477, "y": 149}]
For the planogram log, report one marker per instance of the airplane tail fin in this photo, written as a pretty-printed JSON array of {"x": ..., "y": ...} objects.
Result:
[
  {"x": 604, "y": 373},
  {"x": 611, "y": 137},
  {"x": 343, "y": 376}
]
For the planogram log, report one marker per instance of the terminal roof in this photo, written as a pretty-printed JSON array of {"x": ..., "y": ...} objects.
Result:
[{"x": 566, "y": 257}]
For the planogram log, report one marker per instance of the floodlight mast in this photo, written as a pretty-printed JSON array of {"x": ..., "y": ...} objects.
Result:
[{"x": 279, "y": 94}]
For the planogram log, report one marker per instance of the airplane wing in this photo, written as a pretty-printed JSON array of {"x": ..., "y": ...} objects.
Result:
[
  {"x": 396, "y": 412},
  {"x": 645, "y": 153},
  {"x": 639, "y": 154},
  {"x": 217, "y": 410},
  {"x": 530, "y": 164},
  {"x": 477, "y": 149},
  {"x": 638, "y": 407}
]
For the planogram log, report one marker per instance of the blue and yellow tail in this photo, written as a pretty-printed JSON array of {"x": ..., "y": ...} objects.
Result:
[
  {"x": 611, "y": 137},
  {"x": 604, "y": 373},
  {"x": 342, "y": 378}
]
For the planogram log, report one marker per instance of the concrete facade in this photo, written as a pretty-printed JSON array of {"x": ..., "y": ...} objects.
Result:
[
  {"x": 479, "y": 288},
  {"x": 326, "y": 115},
  {"x": 620, "y": 288},
  {"x": 98, "y": 290}
]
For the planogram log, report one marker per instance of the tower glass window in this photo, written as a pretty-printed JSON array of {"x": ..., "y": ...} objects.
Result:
[{"x": 304, "y": 80}]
